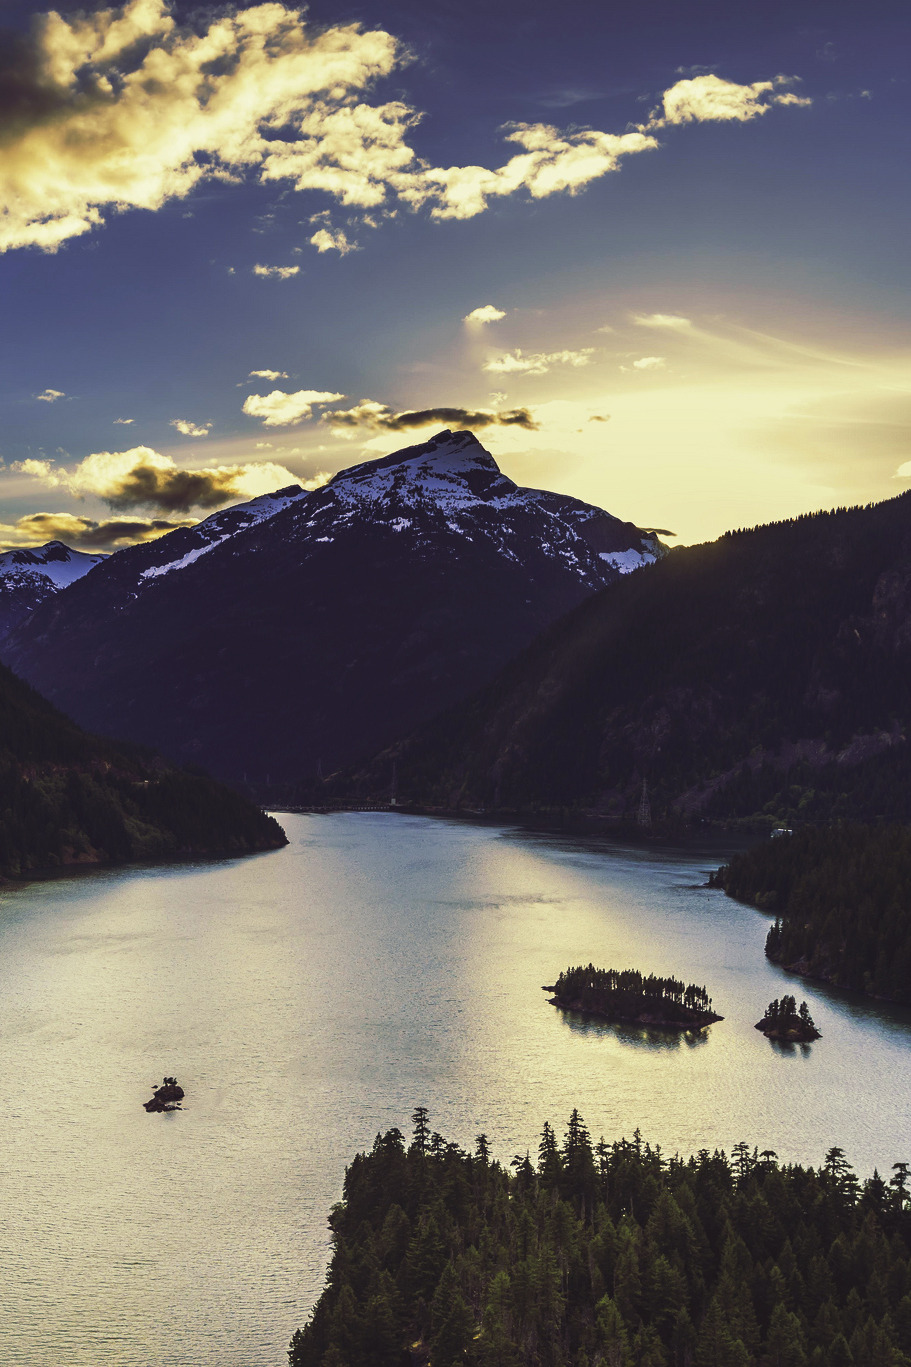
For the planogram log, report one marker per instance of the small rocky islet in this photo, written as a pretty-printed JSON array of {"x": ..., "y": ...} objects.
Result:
[
  {"x": 786, "y": 1021},
  {"x": 626, "y": 996},
  {"x": 167, "y": 1097}
]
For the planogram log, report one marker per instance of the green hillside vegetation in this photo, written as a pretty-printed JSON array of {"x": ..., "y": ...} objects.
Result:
[
  {"x": 761, "y": 674},
  {"x": 842, "y": 895},
  {"x": 69, "y": 798},
  {"x": 611, "y": 1255},
  {"x": 628, "y": 995}
]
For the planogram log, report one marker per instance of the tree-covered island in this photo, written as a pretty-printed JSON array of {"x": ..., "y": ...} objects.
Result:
[
  {"x": 610, "y": 1255},
  {"x": 785, "y": 1020},
  {"x": 627, "y": 995}
]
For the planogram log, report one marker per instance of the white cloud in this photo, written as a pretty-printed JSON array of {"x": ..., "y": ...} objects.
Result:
[
  {"x": 50, "y": 396},
  {"x": 190, "y": 429},
  {"x": 650, "y": 363},
  {"x": 487, "y": 313},
  {"x": 277, "y": 272},
  {"x": 332, "y": 240},
  {"x": 517, "y": 362},
  {"x": 123, "y": 422},
  {"x": 279, "y": 409},
  {"x": 268, "y": 375},
  {"x": 710, "y": 98},
  {"x": 904, "y": 471}
]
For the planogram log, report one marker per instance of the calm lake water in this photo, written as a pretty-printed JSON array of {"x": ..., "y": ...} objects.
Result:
[{"x": 310, "y": 997}]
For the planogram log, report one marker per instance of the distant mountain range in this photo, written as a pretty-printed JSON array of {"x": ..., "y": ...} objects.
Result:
[
  {"x": 767, "y": 673},
  {"x": 29, "y": 578},
  {"x": 287, "y": 636}
]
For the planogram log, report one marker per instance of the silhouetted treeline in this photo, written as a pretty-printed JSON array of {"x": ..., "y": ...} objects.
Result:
[
  {"x": 626, "y": 993},
  {"x": 67, "y": 797},
  {"x": 784, "y": 1019},
  {"x": 842, "y": 894},
  {"x": 611, "y": 1255}
]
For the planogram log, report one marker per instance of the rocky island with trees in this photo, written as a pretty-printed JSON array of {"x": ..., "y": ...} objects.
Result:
[
  {"x": 626, "y": 995},
  {"x": 610, "y": 1255},
  {"x": 786, "y": 1021}
]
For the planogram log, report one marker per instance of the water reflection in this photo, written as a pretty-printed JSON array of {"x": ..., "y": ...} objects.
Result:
[
  {"x": 376, "y": 963},
  {"x": 628, "y": 1032}
]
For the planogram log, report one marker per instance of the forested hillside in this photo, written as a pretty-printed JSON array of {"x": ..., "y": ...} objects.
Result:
[
  {"x": 70, "y": 798},
  {"x": 764, "y": 673},
  {"x": 842, "y": 895},
  {"x": 611, "y": 1255}
]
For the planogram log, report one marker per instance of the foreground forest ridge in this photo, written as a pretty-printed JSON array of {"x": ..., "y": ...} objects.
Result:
[
  {"x": 68, "y": 798},
  {"x": 611, "y": 1255},
  {"x": 840, "y": 894}
]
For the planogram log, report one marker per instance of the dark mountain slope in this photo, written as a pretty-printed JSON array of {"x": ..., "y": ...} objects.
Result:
[
  {"x": 725, "y": 675},
  {"x": 309, "y": 635},
  {"x": 69, "y": 798}
]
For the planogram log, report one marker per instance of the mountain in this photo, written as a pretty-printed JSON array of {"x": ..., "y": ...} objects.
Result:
[
  {"x": 764, "y": 673},
  {"x": 28, "y": 577},
  {"x": 298, "y": 632},
  {"x": 69, "y": 798}
]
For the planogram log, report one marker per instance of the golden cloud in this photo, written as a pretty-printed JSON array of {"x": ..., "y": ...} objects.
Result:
[
  {"x": 487, "y": 313},
  {"x": 277, "y": 272},
  {"x": 142, "y": 478},
  {"x": 280, "y": 409},
  {"x": 126, "y": 108},
  {"x": 332, "y": 240},
  {"x": 83, "y": 533},
  {"x": 709, "y": 98},
  {"x": 380, "y": 417},
  {"x": 539, "y": 363},
  {"x": 190, "y": 429}
]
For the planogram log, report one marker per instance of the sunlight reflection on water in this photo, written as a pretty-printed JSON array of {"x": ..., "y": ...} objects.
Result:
[{"x": 307, "y": 999}]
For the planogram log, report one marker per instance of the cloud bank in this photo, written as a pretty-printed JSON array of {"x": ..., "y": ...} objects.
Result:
[
  {"x": 126, "y": 108},
  {"x": 380, "y": 417},
  {"x": 83, "y": 533},
  {"x": 141, "y": 478}
]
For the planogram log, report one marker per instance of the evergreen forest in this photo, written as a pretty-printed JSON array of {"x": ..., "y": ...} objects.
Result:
[
  {"x": 611, "y": 1255},
  {"x": 842, "y": 896},
  {"x": 68, "y": 798}
]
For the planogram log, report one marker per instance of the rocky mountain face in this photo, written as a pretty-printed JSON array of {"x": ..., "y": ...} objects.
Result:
[
  {"x": 764, "y": 674},
  {"x": 29, "y": 577},
  {"x": 290, "y": 635}
]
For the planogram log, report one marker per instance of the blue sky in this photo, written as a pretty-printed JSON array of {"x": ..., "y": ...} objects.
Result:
[{"x": 692, "y": 220}]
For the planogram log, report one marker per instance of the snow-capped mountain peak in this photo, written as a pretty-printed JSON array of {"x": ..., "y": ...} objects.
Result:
[
  {"x": 54, "y": 561},
  {"x": 29, "y": 575}
]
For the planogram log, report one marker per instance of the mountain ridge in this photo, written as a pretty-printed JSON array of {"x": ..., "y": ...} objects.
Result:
[{"x": 293, "y": 634}]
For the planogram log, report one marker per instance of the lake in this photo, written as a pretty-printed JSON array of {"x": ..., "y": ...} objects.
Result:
[{"x": 310, "y": 997}]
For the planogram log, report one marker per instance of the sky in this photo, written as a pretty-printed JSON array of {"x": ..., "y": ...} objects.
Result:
[{"x": 653, "y": 256}]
